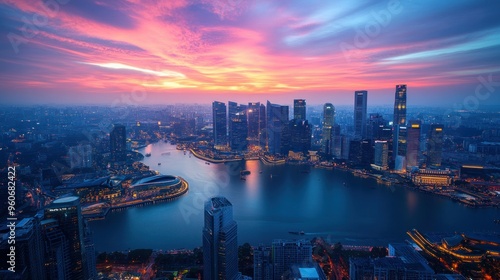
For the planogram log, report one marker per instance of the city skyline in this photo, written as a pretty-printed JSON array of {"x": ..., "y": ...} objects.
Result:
[{"x": 152, "y": 53}]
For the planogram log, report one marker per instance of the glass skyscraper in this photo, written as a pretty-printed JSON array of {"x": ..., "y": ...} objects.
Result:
[
  {"x": 219, "y": 123},
  {"x": 118, "y": 143},
  {"x": 360, "y": 107},
  {"x": 299, "y": 109},
  {"x": 220, "y": 243},
  {"x": 328, "y": 122}
]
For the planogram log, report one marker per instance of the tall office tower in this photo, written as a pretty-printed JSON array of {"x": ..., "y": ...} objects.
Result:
[
  {"x": 360, "y": 152},
  {"x": 328, "y": 123},
  {"x": 28, "y": 254},
  {"x": 299, "y": 109},
  {"x": 262, "y": 263},
  {"x": 277, "y": 125},
  {"x": 90, "y": 256},
  {"x": 300, "y": 135},
  {"x": 287, "y": 253},
  {"x": 262, "y": 126},
  {"x": 56, "y": 252},
  {"x": 239, "y": 130},
  {"x": 376, "y": 124},
  {"x": 435, "y": 145},
  {"x": 118, "y": 143},
  {"x": 381, "y": 154},
  {"x": 219, "y": 123},
  {"x": 80, "y": 156},
  {"x": 400, "y": 106},
  {"x": 220, "y": 244},
  {"x": 253, "y": 116},
  {"x": 360, "y": 107},
  {"x": 399, "y": 147},
  {"x": 232, "y": 109},
  {"x": 67, "y": 213},
  {"x": 413, "y": 143}
]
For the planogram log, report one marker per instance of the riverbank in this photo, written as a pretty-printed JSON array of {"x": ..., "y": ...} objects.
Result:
[{"x": 99, "y": 215}]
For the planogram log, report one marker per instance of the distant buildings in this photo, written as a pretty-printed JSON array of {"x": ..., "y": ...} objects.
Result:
[
  {"x": 430, "y": 177},
  {"x": 220, "y": 243},
  {"x": 219, "y": 123},
  {"x": 256, "y": 116},
  {"x": 435, "y": 145},
  {"x": 80, "y": 156},
  {"x": 360, "y": 107},
  {"x": 118, "y": 143}
]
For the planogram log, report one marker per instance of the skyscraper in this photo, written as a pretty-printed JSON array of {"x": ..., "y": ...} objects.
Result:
[
  {"x": 299, "y": 109},
  {"x": 66, "y": 213},
  {"x": 381, "y": 154},
  {"x": 118, "y": 143},
  {"x": 435, "y": 145},
  {"x": 360, "y": 107},
  {"x": 262, "y": 263},
  {"x": 220, "y": 244},
  {"x": 277, "y": 125},
  {"x": 239, "y": 129},
  {"x": 400, "y": 106},
  {"x": 287, "y": 253},
  {"x": 300, "y": 135},
  {"x": 219, "y": 123},
  {"x": 328, "y": 123},
  {"x": 413, "y": 143},
  {"x": 253, "y": 116}
]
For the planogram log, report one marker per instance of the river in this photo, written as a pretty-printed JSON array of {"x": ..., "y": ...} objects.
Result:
[{"x": 274, "y": 200}]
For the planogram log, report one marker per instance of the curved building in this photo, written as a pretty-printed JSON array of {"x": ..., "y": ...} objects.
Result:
[{"x": 158, "y": 185}]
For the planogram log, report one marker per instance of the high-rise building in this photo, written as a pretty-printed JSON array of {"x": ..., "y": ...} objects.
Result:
[
  {"x": 299, "y": 109},
  {"x": 219, "y": 123},
  {"x": 239, "y": 129},
  {"x": 66, "y": 212},
  {"x": 29, "y": 251},
  {"x": 277, "y": 126},
  {"x": 435, "y": 145},
  {"x": 300, "y": 135},
  {"x": 80, "y": 156},
  {"x": 360, "y": 152},
  {"x": 399, "y": 146},
  {"x": 328, "y": 123},
  {"x": 360, "y": 108},
  {"x": 220, "y": 244},
  {"x": 286, "y": 253},
  {"x": 400, "y": 106},
  {"x": 381, "y": 154},
  {"x": 262, "y": 126},
  {"x": 413, "y": 143},
  {"x": 58, "y": 264},
  {"x": 376, "y": 125},
  {"x": 262, "y": 263},
  {"x": 253, "y": 116},
  {"x": 118, "y": 143}
]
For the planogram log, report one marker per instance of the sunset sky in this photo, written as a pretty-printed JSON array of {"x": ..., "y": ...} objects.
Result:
[{"x": 180, "y": 51}]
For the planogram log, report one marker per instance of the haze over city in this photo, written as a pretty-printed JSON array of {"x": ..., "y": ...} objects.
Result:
[{"x": 92, "y": 52}]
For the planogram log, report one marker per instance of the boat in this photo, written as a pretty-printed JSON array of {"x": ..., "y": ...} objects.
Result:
[
  {"x": 245, "y": 172},
  {"x": 148, "y": 154},
  {"x": 207, "y": 163},
  {"x": 260, "y": 172},
  {"x": 242, "y": 178},
  {"x": 297, "y": 232},
  {"x": 159, "y": 163}
]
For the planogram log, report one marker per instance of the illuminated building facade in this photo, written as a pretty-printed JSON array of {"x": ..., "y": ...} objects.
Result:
[{"x": 360, "y": 109}]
